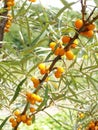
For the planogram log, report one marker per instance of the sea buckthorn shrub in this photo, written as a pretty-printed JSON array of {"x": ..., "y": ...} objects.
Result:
[{"x": 49, "y": 58}]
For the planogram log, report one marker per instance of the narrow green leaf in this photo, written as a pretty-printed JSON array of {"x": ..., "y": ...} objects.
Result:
[
  {"x": 18, "y": 89},
  {"x": 3, "y": 123},
  {"x": 96, "y": 2},
  {"x": 45, "y": 99}
]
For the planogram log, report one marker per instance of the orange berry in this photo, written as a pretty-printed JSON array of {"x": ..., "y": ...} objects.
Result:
[
  {"x": 75, "y": 43},
  {"x": 38, "y": 98},
  {"x": 6, "y": 29},
  {"x": 66, "y": 39},
  {"x": 78, "y": 23},
  {"x": 32, "y": 109},
  {"x": 61, "y": 51},
  {"x": 18, "y": 119},
  {"x": 8, "y": 8},
  {"x": 91, "y": 27},
  {"x": 35, "y": 81},
  {"x": 12, "y": 119},
  {"x": 28, "y": 122},
  {"x": 69, "y": 54},
  {"x": 52, "y": 45},
  {"x": 89, "y": 33},
  {"x": 9, "y": 3},
  {"x": 23, "y": 118},
  {"x": 41, "y": 66},
  {"x": 32, "y": 102},
  {"x": 14, "y": 123},
  {"x": 57, "y": 51},
  {"x": 17, "y": 113},
  {"x": 60, "y": 70},
  {"x": 57, "y": 74}
]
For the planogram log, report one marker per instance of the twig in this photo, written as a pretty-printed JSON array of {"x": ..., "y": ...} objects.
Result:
[
  {"x": 3, "y": 21},
  {"x": 90, "y": 14}
]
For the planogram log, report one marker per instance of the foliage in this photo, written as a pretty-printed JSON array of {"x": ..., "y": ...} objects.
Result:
[{"x": 27, "y": 45}]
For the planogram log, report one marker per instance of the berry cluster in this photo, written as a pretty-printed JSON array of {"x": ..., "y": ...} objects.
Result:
[
  {"x": 88, "y": 30},
  {"x": 93, "y": 125},
  {"x": 33, "y": 98},
  {"x": 10, "y": 3},
  {"x": 18, "y": 117},
  {"x": 8, "y": 23}
]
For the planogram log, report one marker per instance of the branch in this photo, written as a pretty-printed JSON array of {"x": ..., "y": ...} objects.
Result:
[{"x": 3, "y": 21}]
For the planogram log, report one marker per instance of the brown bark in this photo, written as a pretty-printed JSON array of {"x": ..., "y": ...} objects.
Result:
[{"x": 3, "y": 20}]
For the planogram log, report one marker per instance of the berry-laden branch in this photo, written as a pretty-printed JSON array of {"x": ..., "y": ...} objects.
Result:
[
  {"x": 6, "y": 18},
  {"x": 3, "y": 20},
  {"x": 82, "y": 27}
]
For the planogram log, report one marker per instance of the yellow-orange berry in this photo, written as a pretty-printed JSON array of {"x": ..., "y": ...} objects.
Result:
[
  {"x": 28, "y": 122},
  {"x": 23, "y": 118},
  {"x": 66, "y": 39},
  {"x": 32, "y": 109},
  {"x": 12, "y": 119},
  {"x": 14, "y": 123},
  {"x": 52, "y": 45},
  {"x": 69, "y": 54},
  {"x": 17, "y": 113},
  {"x": 89, "y": 33},
  {"x": 35, "y": 81},
  {"x": 75, "y": 43},
  {"x": 78, "y": 23},
  {"x": 91, "y": 27},
  {"x": 18, "y": 119},
  {"x": 41, "y": 66},
  {"x": 38, "y": 98},
  {"x": 61, "y": 51},
  {"x": 57, "y": 51},
  {"x": 57, "y": 74},
  {"x": 60, "y": 70}
]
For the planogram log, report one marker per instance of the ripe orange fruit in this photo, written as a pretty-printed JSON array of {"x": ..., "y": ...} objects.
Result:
[
  {"x": 69, "y": 54},
  {"x": 18, "y": 119},
  {"x": 28, "y": 122},
  {"x": 60, "y": 70},
  {"x": 57, "y": 74},
  {"x": 38, "y": 98},
  {"x": 41, "y": 66},
  {"x": 66, "y": 39},
  {"x": 61, "y": 51},
  {"x": 17, "y": 113},
  {"x": 52, "y": 45},
  {"x": 35, "y": 81},
  {"x": 23, "y": 118},
  {"x": 57, "y": 51},
  {"x": 32, "y": 109},
  {"x": 89, "y": 33},
  {"x": 11, "y": 119},
  {"x": 78, "y": 23},
  {"x": 14, "y": 123},
  {"x": 91, "y": 27}
]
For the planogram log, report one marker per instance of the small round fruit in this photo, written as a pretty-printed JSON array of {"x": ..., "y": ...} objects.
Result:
[
  {"x": 78, "y": 23},
  {"x": 66, "y": 39},
  {"x": 28, "y": 122},
  {"x": 52, "y": 45},
  {"x": 57, "y": 74},
  {"x": 69, "y": 54},
  {"x": 60, "y": 70},
  {"x": 23, "y": 118},
  {"x": 14, "y": 123},
  {"x": 32, "y": 109},
  {"x": 91, "y": 27},
  {"x": 11, "y": 119},
  {"x": 17, "y": 113},
  {"x": 57, "y": 51},
  {"x": 89, "y": 33},
  {"x": 41, "y": 66}
]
